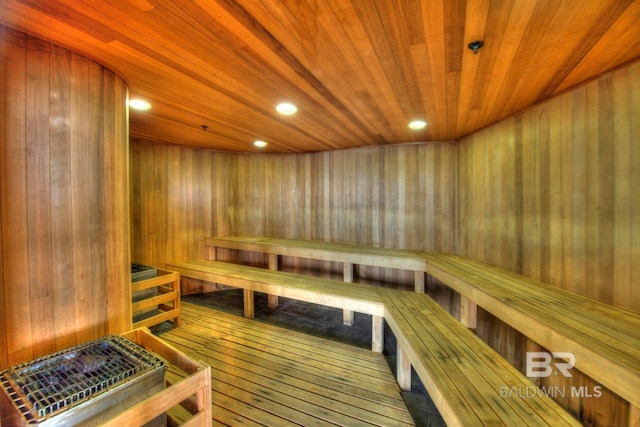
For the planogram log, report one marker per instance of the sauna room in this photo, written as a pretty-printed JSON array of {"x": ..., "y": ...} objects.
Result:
[{"x": 323, "y": 212}]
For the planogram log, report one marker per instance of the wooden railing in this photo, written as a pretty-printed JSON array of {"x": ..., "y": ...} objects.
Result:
[
  {"x": 166, "y": 302},
  {"x": 193, "y": 392}
]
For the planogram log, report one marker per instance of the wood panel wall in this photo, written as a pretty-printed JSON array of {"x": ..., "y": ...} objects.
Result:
[
  {"x": 393, "y": 196},
  {"x": 64, "y": 200},
  {"x": 552, "y": 193}
]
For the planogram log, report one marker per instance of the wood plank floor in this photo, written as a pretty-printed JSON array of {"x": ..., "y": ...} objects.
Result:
[{"x": 270, "y": 376}]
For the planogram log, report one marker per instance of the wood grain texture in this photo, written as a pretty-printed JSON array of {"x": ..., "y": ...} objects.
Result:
[
  {"x": 331, "y": 293},
  {"x": 15, "y": 249},
  {"x": 358, "y": 70},
  {"x": 345, "y": 254},
  {"x": 64, "y": 191},
  {"x": 267, "y": 375},
  {"x": 396, "y": 197},
  {"x": 460, "y": 372},
  {"x": 604, "y": 339},
  {"x": 549, "y": 193}
]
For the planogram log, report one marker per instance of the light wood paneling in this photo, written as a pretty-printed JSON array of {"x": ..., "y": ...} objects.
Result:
[
  {"x": 551, "y": 193},
  {"x": 359, "y": 70},
  {"x": 64, "y": 226},
  {"x": 399, "y": 197}
]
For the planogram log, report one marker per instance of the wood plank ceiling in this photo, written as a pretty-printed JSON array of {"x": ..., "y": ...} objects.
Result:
[{"x": 358, "y": 70}]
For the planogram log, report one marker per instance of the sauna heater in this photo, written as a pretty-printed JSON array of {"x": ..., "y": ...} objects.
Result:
[
  {"x": 83, "y": 385},
  {"x": 141, "y": 272}
]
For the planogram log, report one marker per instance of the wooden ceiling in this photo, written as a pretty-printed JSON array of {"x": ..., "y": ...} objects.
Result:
[{"x": 358, "y": 70}]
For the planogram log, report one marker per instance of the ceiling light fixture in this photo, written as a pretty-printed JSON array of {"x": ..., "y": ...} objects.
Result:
[
  {"x": 260, "y": 144},
  {"x": 417, "y": 124},
  {"x": 139, "y": 104},
  {"x": 286, "y": 108}
]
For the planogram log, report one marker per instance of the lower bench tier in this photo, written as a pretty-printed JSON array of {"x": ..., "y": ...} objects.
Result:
[{"x": 347, "y": 296}]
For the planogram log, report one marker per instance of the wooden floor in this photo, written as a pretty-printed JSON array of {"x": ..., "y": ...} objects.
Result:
[{"x": 267, "y": 375}]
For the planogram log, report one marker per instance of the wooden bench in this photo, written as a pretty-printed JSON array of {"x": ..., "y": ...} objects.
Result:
[
  {"x": 468, "y": 381},
  {"x": 356, "y": 297},
  {"x": 461, "y": 373},
  {"x": 347, "y": 254},
  {"x": 605, "y": 340}
]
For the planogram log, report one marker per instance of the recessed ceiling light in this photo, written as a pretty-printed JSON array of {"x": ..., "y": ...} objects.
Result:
[
  {"x": 417, "y": 124},
  {"x": 139, "y": 104},
  {"x": 286, "y": 108},
  {"x": 260, "y": 144}
]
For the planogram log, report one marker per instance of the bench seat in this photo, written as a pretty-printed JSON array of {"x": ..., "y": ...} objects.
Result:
[
  {"x": 350, "y": 296},
  {"x": 329, "y": 251},
  {"x": 468, "y": 381},
  {"x": 325, "y": 251},
  {"x": 604, "y": 339}
]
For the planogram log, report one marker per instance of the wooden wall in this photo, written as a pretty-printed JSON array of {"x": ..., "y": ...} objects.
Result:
[
  {"x": 64, "y": 229},
  {"x": 549, "y": 193},
  {"x": 393, "y": 196},
  {"x": 552, "y": 193}
]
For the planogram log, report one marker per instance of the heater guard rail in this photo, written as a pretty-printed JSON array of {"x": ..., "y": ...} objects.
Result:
[
  {"x": 167, "y": 301},
  {"x": 193, "y": 392}
]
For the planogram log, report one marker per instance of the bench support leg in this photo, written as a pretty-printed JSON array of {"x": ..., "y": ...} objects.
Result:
[
  {"x": 347, "y": 315},
  {"x": 419, "y": 282},
  {"x": 212, "y": 253},
  {"x": 468, "y": 313},
  {"x": 634, "y": 415},
  {"x": 377, "y": 334},
  {"x": 249, "y": 312},
  {"x": 272, "y": 300},
  {"x": 404, "y": 369}
]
